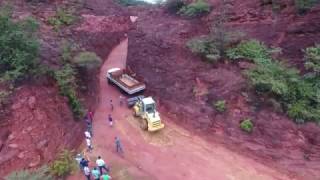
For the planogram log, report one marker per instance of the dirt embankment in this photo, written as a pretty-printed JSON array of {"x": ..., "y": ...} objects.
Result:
[
  {"x": 185, "y": 86},
  {"x": 40, "y": 123}
]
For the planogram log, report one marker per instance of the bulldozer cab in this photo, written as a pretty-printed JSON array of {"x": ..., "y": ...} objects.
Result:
[{"x": 148, "y": 105}]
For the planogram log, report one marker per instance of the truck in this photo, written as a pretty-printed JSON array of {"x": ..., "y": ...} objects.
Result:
[
  {"x": 125, "y": 80},
  {"x": 145, "y": 109}
]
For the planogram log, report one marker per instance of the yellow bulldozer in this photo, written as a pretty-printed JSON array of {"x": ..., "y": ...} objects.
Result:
[{"x": 145, "y": 108}]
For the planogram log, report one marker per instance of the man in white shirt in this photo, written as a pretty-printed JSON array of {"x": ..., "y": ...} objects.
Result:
[
  {"x": 86, "y": 171},
  {"x": 101, "y": 164},
  {"x": 88, "y": 141},
  {"x": 87, "y": 134}
]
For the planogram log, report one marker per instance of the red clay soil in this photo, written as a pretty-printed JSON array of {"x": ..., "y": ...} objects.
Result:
[
  {"x": 39, "y": 126},
  {"x": 186, "y": 87},
  {"x": 172, "y": 153}
]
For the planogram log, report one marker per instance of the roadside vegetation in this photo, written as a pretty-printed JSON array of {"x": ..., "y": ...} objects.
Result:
[
  {"x": 298, "y": 94},
  {"x": 38, "y": 174},
  {"x": 246, "y": 125},
  {"x": 63, "y": 165},
  {"x": 19, "y": 48},
  {"x": 76, "y": 66},
  {"x": 304, "y": 5},
  {"x": 195, "y": 9},
  {"x": 220, "y": 106},
  {"x": 63, "y": 17}
]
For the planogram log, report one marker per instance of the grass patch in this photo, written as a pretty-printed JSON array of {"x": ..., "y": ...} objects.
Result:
[
  {"x": 195, "y": 9},
  {"x": 220, "y": 105},
  {"x": 247, "y": 125},
  {"x": 64, "y": 164},
  {"x": 63, "y": 17}
]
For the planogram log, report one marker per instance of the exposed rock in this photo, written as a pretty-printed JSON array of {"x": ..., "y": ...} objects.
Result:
[
  {"x": 13, "y": 146},
  {"x": 21, "y": 155},
  {"x": 32, "y": 102},
  {"x": 11, "y": 137},
  {"x": 35, "y": 162},
  {"x": 42, "y": 144}
]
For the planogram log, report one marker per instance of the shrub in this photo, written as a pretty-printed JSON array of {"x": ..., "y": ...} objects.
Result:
[
  {"x": 173, "y": 6},
  {"x": 62, "y": 17},
  {"x": 246, "y": 125},
  {"x": 204, "y": 47},
  {"x": 19, "y": 48},
  {"x": 39, "y": 174},
  {"x": 67, "y": 84},
  {"x": 220, "y": 105},
  {"x": 300, "y": 95},
  {"x": 312, "y": 58},
  {"x": 87, "y": 60},
  {"x": 64, "y": 164},
  {"x": 195, "y": 9},
  {"x": 304, "y": 5},
  {"x": 253, "y": 50},
  {"x": 131, "y": 2}
]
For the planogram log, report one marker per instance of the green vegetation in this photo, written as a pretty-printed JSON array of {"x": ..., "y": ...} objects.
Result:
[
  {"x": 39, "y": 174},
  {"x": 131, "y": 2},
  {"x": 247, "y": 125},
  {"x": 252, "y": 50},
  {"x": 64, "y": 164},
  {"x": 66, "y": 79},
  {"x": 173, "y": 6},
  {"x": 312, "y": 58},
  {"x": 87, "y": 60},
  {"x": 299, "y": 95},
  {"x": 220, "y": 106},
  {"x": 304, "y": 5},
  {"x": 19, "y": 48},
  {"x": 63, "y": 17},
  {"x": 195, "y": 9},
  {"x": 204, "y": 47}
]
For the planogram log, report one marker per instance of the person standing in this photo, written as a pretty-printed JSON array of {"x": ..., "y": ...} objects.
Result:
[
  {"x": 101, "y": 164},
  {"x": 118, "y": 145},
  {"x": 111, "y": 105},
  {"x": 121, "y": 100},
  {"x": 110, "y": 120},
  {"x": 95, "y": 173},
  {"x": 78, "y": 159},
  {"x": 87, "y": 134},
  {"x": 86, "y": 171},
  {"x": 106, "y": 177},
  {"x": 90, "y": 115},
  {"x": 89, "y": 145}
]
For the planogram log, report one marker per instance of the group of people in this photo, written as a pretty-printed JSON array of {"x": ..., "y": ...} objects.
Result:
[
  {"x": 97, "y": 172},
  {"x": 100, "y": 171}
]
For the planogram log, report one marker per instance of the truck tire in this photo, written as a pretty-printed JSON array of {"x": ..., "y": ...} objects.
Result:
[{"x": 144, "y": 124}]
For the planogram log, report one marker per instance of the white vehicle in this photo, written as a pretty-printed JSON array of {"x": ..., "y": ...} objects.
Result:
[{"x": 125, "y": 80}]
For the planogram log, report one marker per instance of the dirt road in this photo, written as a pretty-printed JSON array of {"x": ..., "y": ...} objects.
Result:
[{"x": 170, "y": 154}]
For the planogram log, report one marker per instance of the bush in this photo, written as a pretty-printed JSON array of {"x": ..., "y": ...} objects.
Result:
[
  {"x": 252, "y": 50},
  {"x": 195, "y": 9},
  {"x": 312, "y": 58},
  {"x": 304, "y": 5},
  {"x": 67, "y": 84},
  {"x": 300, "y": 95},
  {"x": 246, "y": 125},
  {"x": 204, "y": 47},
  {"x": 62, "y": 17},
  {"x": 131, "y": 2},
  {"x": 39, "y": 174},
  {"x": 173, "y": 6},
  {"x": 220, "y": 105},
  {"x": 19, "y": 48},
  {"x": 64, "y": 164},
  {"x": 87, "y": 60}
]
